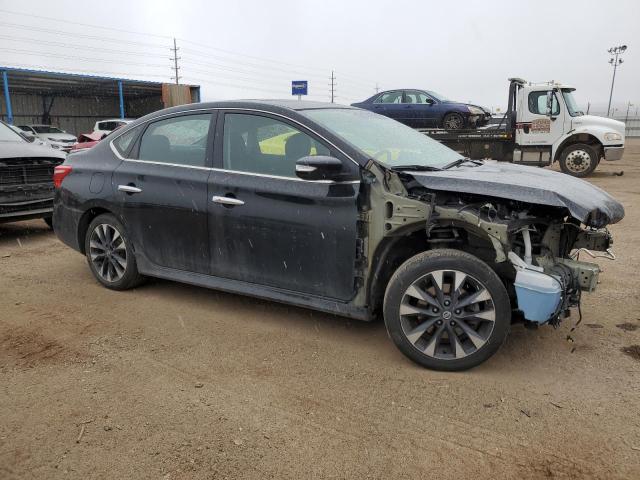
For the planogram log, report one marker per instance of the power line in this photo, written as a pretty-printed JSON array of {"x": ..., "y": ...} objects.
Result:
[
  {"x": 121, "y": 30},
  {"x": 262, "y": 59},
  {"x": 250, "y": 65},
  {"x": 71, "y": 45},
  {"x": 80, "y": 35},
  {"x": 84, "y": 59}
]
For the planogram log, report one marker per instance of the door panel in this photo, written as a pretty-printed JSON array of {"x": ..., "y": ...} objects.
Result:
[
  {"x": 421, "y": 114},
  {"x": 269, "y": 227},
  {"x": 300, "y": 236},
  {"x": 167, "y": 219},
  {"x": 533, "y": 126},
  {"x": 163, "y": 192}
]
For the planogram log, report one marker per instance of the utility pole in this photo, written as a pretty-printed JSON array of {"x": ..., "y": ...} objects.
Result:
[
  {"x": 626, "y": 118},
  {"x": 175, "y": 59},
  {"x": 615, "y": 61},
  {"x": 377, "y": 88},
  {"x": 333, "y": 86},
  {"x": 588, "y": 107}
]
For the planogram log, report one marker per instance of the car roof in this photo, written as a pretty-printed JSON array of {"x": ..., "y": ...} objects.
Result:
[
  {"x": 116, "y": 120},
  {"x": 282, "y": 104}
]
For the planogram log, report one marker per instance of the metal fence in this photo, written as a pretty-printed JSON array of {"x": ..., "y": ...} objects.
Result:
[{"x": 632, "y": 128}]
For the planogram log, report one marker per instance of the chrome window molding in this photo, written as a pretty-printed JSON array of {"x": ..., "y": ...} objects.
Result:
[
  {"x": 238, "y": 172},
  {"x": 241, "y": 109}
]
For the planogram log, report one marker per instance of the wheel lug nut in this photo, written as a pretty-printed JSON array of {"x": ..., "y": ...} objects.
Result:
[
  {"x": 447, "y": 303},
  {"x": 439, "y": 322},
  {"x": 457, "y": 311},
  {"x": 436, "y": 309},
  {"x": 452, "y": 323}
]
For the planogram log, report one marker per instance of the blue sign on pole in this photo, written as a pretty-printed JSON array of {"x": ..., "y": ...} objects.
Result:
[{"x": 299, "y": 87}]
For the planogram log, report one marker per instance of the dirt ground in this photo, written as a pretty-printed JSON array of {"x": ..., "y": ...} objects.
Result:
[{"x": 171, "y": 381}]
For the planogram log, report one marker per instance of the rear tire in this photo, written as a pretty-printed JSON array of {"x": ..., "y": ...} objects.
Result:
[
  {"x": 579, "y": 160},
  {"x": 109, "y": 254},
  {"x": 452, "y": 121},
  {"x": 447, "y": 310}
]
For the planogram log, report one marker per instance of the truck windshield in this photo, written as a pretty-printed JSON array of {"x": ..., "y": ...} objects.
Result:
[
  {"x": 385, "y": 140},
  {"x": 572, "y": 107}
]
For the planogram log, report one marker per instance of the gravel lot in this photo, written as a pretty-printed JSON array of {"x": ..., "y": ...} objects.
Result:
[{"x": 171, "y": 381}]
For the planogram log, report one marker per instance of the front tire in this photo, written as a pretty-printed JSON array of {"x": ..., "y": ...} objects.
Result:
[
  {"x": 579, "y": 160},
  {"x": 447, "y": 310},
  {"x": 453, "y": 121},
  {"x": 109, "y": 254}
]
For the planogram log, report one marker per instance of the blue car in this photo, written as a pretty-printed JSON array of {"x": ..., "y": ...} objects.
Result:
[{"x": 426, "y": 109}]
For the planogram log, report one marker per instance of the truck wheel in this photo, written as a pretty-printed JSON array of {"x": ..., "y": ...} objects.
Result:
[
  {"x": 447, "y": 310},
  {"x": 579, "y": 160},
  {"x": 109, "y": 254},
  {"x": 453, "y": 121}
]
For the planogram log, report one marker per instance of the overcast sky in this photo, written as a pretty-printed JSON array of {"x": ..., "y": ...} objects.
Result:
[{"x": 253, "y": 49}]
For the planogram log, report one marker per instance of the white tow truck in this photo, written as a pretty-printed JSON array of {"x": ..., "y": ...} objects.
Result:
[{"x": 542, "y": 125}]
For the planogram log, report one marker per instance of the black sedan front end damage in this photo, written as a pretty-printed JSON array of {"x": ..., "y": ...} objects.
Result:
[{"x": 532, "y": 224}]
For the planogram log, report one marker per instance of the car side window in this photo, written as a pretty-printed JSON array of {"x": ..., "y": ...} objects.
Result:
[
  {"x": 414, "y": 96},
  {"x": 390, "y": 97},
  {"x": 257, "y": 144},
  {"x": 124, "y": 142},
  {"x": 538, "y": 103},
  {"x": 179, "y": 140}
]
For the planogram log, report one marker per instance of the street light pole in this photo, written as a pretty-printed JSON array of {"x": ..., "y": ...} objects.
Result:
[{"x": 615, "y": 61}]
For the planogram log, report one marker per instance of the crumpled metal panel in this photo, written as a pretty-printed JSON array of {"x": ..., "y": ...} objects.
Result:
[{"x": 587, "y": 203}]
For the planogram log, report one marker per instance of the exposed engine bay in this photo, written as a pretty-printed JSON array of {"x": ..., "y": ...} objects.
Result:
[{"x": 534, "y": 248}]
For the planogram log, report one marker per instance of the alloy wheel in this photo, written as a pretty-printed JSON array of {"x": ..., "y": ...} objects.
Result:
[
  {"x": 108, "y": 252},
  {"x": 447, "y": 314},
  {"x": 453, "y": 122}
]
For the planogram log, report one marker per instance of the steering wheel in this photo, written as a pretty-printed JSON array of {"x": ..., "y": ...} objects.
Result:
[{"x": 386, "y": 152}]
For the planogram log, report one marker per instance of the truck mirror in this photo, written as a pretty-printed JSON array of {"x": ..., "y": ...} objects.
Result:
[{"x": 550, "y": 103}]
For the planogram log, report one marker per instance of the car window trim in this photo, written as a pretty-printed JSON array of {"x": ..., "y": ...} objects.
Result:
[
  {"x": 298, "y": 126},
  {"x": 404, "y": 94},
  {"x": 135, "y": 146},
  {"x": 216, "y": 110}
]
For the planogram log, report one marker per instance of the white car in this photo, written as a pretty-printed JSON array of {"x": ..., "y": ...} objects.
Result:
[
  {"x": 58, "y": 139},
  {"x": 109, "y": 125}
]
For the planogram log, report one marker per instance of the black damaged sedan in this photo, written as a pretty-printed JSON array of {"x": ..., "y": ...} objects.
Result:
[{"x": 340, "y": 210}]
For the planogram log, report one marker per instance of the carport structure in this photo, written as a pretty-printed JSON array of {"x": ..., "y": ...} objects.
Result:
[{"x": 74, "y": 102}]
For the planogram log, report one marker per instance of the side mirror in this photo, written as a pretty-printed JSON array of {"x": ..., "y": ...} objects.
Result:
[
  {"x": 318, "y": 167},
  {"x": 429, "y": 101},
  {"x": 550, "y": 103}
]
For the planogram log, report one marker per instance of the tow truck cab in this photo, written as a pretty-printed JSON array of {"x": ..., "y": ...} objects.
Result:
[
  {"x": 549, "y": 125},
  {"x": 542, "y": 125}
]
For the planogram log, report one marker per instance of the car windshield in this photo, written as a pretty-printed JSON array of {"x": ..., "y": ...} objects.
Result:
[
  {"x": 387, "y": 141},
  {"x": 7, "y": 134},
  {"x": 437, "y": 96},
  {"x": 46, "y": 129},
  {"x": 572, "y": 106}
]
